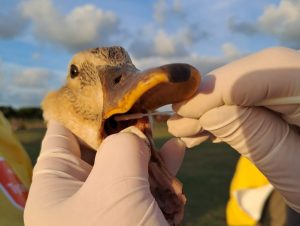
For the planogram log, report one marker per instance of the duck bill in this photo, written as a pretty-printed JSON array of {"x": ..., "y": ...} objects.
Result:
[{"x": 150, "y": 89}]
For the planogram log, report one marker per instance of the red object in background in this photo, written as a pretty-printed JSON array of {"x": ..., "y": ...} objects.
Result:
[{"x": 11, "y": 185}]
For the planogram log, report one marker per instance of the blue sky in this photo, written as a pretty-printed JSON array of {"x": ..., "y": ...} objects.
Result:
[{"x": 39, "y": 37}]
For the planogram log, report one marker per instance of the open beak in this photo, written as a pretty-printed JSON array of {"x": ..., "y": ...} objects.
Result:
[{"x": 149, "y": 89}]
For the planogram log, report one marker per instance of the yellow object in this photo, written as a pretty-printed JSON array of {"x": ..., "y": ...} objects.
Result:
[
  {"x": 15, "y": 176},
  {"x": 246, "y": 176}
]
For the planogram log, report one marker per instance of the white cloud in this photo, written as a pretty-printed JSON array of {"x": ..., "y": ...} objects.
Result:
[
  {"x": 24, "y": 86},
  {"x": 171, "y": 34},
  {"x": 203, "y": 63},
  {"x": 11, "y": 26},
  {"x": 177, "y": 6},
  {"x": 230, "y": 50},
  {"x": 281, "y": 21},
  {"x": 85, "y": 26},
  {"x": 190, "y": 34},
  {"x": 36, "y": 56},
  {"x": 164, "y": 45},
  {"x": 32, "y": 78},
  {"x": 160, "y": 8},
  {"x": 161, "y": 44},
  {"x": 164, "y": 9},
  {"x": 224, "y": 5},
  {"x": 244, "y": 27}
]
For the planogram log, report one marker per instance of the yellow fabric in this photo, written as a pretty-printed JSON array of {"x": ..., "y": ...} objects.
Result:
[
  {"x": 246, "y": 176},
  {"x": 14, "y": 158}
]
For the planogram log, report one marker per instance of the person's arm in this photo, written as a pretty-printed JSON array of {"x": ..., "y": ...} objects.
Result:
[
  {"x": 68, "y": 191},
  {"x": 225, "y": 110}
]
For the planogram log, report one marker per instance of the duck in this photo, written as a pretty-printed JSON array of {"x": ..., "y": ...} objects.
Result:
[{"x": 103, "y": 83}]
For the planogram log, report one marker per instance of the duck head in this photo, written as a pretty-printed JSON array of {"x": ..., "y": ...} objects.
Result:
[{"x": 103, "y": 82}]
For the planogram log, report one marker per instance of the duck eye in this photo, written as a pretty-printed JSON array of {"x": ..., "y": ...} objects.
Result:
[{"x": 74, "y": 71}]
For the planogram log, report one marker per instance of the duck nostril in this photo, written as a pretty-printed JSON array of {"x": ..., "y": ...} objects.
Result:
[
  {"x": 179, "y": 72},
  {"x": 117, "y": 79}
]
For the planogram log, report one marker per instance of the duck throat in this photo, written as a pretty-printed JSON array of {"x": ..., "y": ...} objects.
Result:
[
  {"x": 87, "y": 128},
  {"x": 78, "y": 119}
]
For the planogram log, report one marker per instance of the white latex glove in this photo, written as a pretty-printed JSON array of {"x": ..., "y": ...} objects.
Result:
[
  {"x": 68, "y": 191},
  {"x": 224, "y": 110}
]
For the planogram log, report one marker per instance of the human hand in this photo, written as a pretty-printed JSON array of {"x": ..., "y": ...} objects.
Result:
[
  {"x": 225, "y": 110},
  {"x": 115, "y": 191}
]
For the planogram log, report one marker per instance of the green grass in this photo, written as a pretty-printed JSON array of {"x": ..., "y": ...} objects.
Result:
[
  {"x": 206, "y": 173},
  {"x": 31, "y": 140}
]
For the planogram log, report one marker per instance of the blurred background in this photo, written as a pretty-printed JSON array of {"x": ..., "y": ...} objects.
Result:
[{"x": 39, "y": 37}]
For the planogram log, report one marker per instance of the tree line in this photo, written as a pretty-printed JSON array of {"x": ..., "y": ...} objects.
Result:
[{"x": 22, "y": 113}]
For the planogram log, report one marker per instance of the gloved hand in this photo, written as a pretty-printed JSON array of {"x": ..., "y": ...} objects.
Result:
[
  {"x": 68, "y": 191},
  {"x": 225, "y": 110}
]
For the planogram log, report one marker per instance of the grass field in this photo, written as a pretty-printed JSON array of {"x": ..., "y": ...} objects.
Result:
[{"x": 206, "y": 175}]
